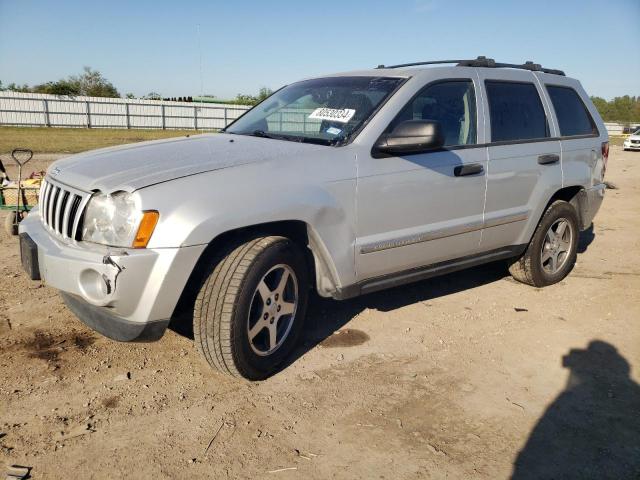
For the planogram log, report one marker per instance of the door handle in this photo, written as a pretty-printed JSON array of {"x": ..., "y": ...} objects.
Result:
[
  {"x": 470, "y": 169},
  {"x": 548, "y": 159}
]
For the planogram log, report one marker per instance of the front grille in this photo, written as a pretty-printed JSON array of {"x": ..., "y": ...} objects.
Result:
[{"x": 61, "y": 209}]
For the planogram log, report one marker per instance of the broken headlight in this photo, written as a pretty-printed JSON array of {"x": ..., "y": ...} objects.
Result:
[{"x": 112, "y": 219}]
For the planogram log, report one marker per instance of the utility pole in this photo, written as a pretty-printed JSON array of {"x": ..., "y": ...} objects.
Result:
[{"x": 201, "y": 78}]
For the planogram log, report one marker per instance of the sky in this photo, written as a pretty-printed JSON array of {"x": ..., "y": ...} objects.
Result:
[{"x": 143, "y": 46}]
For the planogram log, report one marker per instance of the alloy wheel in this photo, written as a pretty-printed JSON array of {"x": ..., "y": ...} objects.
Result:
[
  {"x": 556, "y": 246},
  {"x": 273, "y": 310}
]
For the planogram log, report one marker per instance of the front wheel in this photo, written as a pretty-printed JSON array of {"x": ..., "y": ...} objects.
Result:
[
  {"x": 551, "y": 254},
  {"x": 249, "y": 313}
]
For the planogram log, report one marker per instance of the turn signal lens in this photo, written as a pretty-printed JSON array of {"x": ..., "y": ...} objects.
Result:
[{"x": 146, "y": 228}]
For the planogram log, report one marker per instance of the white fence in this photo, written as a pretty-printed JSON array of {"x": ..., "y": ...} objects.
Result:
[
  {"x": 614, "y": 128},
  {"x": 32, "y": 109}
]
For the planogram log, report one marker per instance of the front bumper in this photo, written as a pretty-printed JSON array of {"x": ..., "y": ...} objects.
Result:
[
  {"x": 631, "y": 146},
  {"x": 103, "y": 321},
  {"x": 125, "y": 294}
]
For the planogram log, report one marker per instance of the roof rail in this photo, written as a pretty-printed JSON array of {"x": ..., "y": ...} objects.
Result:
[
  {"x": 432, "y": 62},
  {"x": 482, "y": 62}
]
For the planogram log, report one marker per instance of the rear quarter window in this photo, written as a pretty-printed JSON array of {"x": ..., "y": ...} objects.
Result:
[
  {"x": 573, "y": 116},
  {"x": 515, "y": 111}
]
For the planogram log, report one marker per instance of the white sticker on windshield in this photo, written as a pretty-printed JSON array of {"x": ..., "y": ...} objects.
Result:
[
  {"x": 342, "y": 115},
  {"x": 333, "y": 131}
]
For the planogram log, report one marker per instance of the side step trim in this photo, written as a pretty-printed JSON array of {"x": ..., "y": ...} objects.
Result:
[{"x": 422, "y": 273}]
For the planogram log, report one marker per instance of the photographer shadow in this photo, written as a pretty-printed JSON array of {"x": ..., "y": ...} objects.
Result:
[
  {"x": 586, "y": 238},
  {"x": 592, "y": 429}
]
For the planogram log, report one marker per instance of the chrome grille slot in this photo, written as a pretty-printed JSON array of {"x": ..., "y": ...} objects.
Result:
[
  {"x": 52, "y": 207},
  {"x": 74, "y": 217},
  {"x": 61, "y": 209},
  {"x": 52, "y": 192},
  {"x": 45, "y": 199}
]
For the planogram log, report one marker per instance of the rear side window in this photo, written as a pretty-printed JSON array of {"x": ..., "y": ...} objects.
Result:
[
  {"x": 573, "y": 116},
  {"x": 516, "y": 111}
]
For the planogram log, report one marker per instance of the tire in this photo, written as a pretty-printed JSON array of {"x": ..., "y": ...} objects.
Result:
[
  {"x": 231, "y": 307},
  {"x": 535, "y": 267},
  {"x": 10, "y": 224}
]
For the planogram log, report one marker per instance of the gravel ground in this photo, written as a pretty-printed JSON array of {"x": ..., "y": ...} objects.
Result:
[{"x": 462, "y": 376}]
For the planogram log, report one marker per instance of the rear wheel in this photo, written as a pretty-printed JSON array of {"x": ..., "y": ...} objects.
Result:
[
  {"x": 249, "y": 313},
  {"x": 551, "y": 254}
]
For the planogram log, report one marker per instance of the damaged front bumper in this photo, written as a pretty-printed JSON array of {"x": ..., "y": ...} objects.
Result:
[
  {"x": 125, "y": 294},
  {"x": 103, "y": 321}
]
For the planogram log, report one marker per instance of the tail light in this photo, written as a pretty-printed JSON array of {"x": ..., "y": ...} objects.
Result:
[
  {"x": 605, "y": 152},
  {"x": 605, "y": 156}
]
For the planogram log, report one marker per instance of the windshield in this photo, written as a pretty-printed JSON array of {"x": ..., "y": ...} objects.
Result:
[
  {"x": 323, "y": 110},
  {"x": 637, "y": 132}
]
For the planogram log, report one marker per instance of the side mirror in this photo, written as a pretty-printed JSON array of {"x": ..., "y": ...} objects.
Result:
[{"x": 411, "y": 136}]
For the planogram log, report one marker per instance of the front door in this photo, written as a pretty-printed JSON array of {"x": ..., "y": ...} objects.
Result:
[{"x": 421, "y": 209}]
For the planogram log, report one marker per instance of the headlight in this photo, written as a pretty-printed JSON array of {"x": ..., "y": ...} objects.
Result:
[{"x": 118, "y": 221}]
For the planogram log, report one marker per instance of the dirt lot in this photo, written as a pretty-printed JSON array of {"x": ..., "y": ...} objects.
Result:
[{"x": 457, "y": 377}]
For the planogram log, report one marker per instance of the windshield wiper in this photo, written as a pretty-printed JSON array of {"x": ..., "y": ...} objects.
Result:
[
  {"x": 262, "y": 133},
  {"x": 276, "y": 136},
  {"x": 290, "y": 138},
  {"x": 317, "y": 141}
]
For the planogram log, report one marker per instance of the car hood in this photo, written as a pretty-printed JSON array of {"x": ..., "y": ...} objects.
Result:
[
  {"x": 634, "y": 137},
  {"x": 131, "y": 167}
]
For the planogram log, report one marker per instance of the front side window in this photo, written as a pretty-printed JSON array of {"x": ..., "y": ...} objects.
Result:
[
  {"x": 327, "y": 111},
  {"x": 452, "y": 104},
  {"x": 573, "y": 117},
  {"x": 516, "y": 111}
]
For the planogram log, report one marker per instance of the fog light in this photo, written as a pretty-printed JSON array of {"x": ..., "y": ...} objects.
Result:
[{"x": 94, "y": 285}]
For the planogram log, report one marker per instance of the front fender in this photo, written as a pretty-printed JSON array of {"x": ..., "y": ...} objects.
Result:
[{"x": 195, "y": 210}]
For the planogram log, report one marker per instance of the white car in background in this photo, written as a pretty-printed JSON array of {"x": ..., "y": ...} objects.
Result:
[{"x": 633, "y": 141}]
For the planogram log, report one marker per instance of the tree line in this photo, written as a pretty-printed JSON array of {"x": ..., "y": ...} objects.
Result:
[
  {"x": 89, "y": 83},
  {"x": 624, "y": 109},
  {"x": 92, "y": 83}
]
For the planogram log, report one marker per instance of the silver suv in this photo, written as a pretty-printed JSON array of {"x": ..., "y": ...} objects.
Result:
[{"x": 344, "y": 184}]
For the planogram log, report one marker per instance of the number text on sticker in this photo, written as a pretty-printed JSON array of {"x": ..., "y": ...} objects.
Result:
[{"x": 342, "y": 115}]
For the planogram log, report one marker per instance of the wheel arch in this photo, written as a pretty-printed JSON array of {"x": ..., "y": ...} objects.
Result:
[
  {"x": 573, "y": 194},
  {"x": 576, "y": 195},
  {"x": 321, "y": 267}
]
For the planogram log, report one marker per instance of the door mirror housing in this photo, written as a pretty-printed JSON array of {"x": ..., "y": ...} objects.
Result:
[{"x": 410, "y": 136}]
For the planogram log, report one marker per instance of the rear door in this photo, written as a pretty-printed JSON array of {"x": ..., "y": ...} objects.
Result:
[
  {"x": 581, "y": 147},
  {"x": 524, "y": 167}
]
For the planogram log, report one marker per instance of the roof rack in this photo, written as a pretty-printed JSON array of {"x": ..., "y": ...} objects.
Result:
[{"x": 482, "y": 62}]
